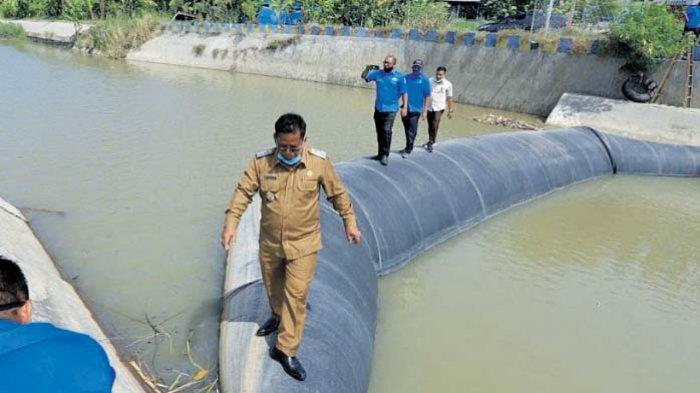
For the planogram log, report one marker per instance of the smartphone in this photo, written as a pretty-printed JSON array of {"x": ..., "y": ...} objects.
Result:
[{"x": 368, "y": 68}]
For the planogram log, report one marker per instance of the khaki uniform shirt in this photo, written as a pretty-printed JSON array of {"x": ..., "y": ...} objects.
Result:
[{"x": 290, "y": 225}]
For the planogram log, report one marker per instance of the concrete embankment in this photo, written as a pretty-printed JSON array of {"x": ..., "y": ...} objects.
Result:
[
  {"x": 483, "y": 73},
  {"x": 50, "y": 32},
  {"x": 55, "y": 300},
  {"x": 529, "y": 81},
  {"x": 645, "y": 121}
]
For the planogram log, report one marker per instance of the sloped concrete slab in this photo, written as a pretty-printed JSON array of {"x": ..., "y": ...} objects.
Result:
[
  {"x": 642, "y": 121},
  {"x": 55, "y": 300}
]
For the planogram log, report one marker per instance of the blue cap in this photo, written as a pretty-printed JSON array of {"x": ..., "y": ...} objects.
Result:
[{"x": 418, "y": 62}]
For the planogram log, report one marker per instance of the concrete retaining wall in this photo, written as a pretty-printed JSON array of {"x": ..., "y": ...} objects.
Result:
[
  {"x": 644, "y": 121},
  {"x": 486, "y": 70},
  {"x": 55, "y": 300},
  {"x": 529, "y": 82},
  {"x": 489, "y": 71},
  {"x": 50, "y": 32}
]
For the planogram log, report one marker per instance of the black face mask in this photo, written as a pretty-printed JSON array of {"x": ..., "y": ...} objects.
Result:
[{"x": 388, "y": 69}]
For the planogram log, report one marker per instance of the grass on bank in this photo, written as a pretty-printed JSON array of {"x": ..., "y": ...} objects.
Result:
[
  {"x": 460, "y": 25},
  {"x": 11, "y": 31},
  {"x": 115, "y": 36}
]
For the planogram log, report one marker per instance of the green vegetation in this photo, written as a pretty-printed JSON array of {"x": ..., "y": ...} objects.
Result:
[
  {"x": 425, "y": 14},
  {"x": 115, "y": 36},
  {"x": 647, "y": 32},
  {"x": 198, "y": 49},
  {"x": 369, "y": 13},
  {"x": 590, "y": 12},
  {"x": 282, "y": 43},
  {"x": 459, "y": 24},
  {"x": 499, "y": 8},
  {"x": 639, "y": 31},
  {"x": 11, "y": 31}
]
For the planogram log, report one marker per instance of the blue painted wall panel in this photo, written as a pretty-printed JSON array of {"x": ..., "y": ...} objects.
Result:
[
  {"x": 513, "y": 42},
  {"x": 491, "y": 40},
  {"x": 415, "y": 35},
  {"x": 565, "y": 45}
]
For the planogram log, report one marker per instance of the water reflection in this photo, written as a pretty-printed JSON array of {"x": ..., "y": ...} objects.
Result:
[{"x": 594, "y": 288}]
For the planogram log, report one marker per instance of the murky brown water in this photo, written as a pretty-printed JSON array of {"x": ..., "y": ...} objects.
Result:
[
  {"x": 591, "y": 289},
  {"x": 140, "y": 160}
]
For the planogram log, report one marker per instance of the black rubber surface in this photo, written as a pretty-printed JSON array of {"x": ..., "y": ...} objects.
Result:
[{"x": 416, "y": 203}]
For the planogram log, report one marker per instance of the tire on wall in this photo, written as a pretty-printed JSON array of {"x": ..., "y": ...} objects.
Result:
[{"x": 638, "y": 89}]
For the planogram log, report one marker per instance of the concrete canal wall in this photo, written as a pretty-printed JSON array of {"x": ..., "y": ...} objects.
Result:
[
  {"x": 50, "y": 32},
  {"x": 489, "y": 71},
  {"x": 501, "y": 73},
  {"x": 55, "y": 300},
  {"x": 643, "y": 121},
  {"x": 469, "y": 179}
]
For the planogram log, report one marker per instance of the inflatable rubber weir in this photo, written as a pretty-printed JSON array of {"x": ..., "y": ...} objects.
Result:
[{"x": 404, "y": 209}]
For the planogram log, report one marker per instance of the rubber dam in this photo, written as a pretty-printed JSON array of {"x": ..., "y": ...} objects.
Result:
[{"x": 404, "y": 209}]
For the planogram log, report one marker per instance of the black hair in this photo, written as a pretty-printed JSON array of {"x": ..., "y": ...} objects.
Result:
[
  {"x": 13, "y": 286},
  {"x": 290, "y": 123},
  {"x": 442, "y": 68}
]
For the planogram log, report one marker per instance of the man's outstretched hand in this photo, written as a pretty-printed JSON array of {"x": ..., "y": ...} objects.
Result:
[{"x": 354, "y": 236}]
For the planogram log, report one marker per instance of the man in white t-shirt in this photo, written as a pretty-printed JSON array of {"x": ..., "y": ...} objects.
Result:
[{"x": 441, "y": 99}]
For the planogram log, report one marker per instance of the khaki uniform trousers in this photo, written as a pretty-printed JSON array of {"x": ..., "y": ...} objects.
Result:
[{"x": 287, "y": 283}]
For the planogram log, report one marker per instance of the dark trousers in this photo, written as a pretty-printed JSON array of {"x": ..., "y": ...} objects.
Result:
[
  {"x": 410, "y": 126},
  {"x": 434, "y": 124},
  {"x": 383, "y": 122}
]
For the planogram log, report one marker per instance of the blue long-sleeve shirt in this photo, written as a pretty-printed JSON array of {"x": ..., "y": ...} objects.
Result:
[{"x": 693, "y": 15}]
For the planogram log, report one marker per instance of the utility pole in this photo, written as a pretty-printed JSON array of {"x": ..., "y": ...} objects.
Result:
[
  {"x": 534, "y": 16},
  {"x": 549, "y": 16},
  {"x": 570, "y": 20}
]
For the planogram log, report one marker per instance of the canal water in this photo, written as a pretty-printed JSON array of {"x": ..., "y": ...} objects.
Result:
[
  {"x": 125, "y": 169},
  {"x": 595, "y": 288}
]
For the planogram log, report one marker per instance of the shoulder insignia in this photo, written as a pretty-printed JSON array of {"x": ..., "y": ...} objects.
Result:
[
  {"x": 318, "y": 153},
  {"x": 264, "y": 153}
]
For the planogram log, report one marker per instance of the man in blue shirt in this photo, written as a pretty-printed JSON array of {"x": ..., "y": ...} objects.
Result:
[
  {"x": 39, "y": 357},
  {"x": 419, "y": 92},
  {"x": 692, "y": 19},
  {"x": 390, "y": 87}
]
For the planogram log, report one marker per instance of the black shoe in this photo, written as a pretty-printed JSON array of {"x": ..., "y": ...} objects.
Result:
[
  {"x": 384, "y": 160},
  {"x": 405, "y": 153},
  {"x": 429, "y": 147},
  {"x": 268, "y": 327},
  {"x": 290, "y": 364}
]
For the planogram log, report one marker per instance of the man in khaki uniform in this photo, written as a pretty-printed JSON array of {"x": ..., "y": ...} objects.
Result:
[{"x": 288, "y": 179}]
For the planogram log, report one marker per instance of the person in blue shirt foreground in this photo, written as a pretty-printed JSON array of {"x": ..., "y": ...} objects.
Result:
[
  {"x": 692, "y": 19},
  {"x": 39, "y": 357},
  {"x": 419, "y": 92},
  {"x": 390, "y": 87}
]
